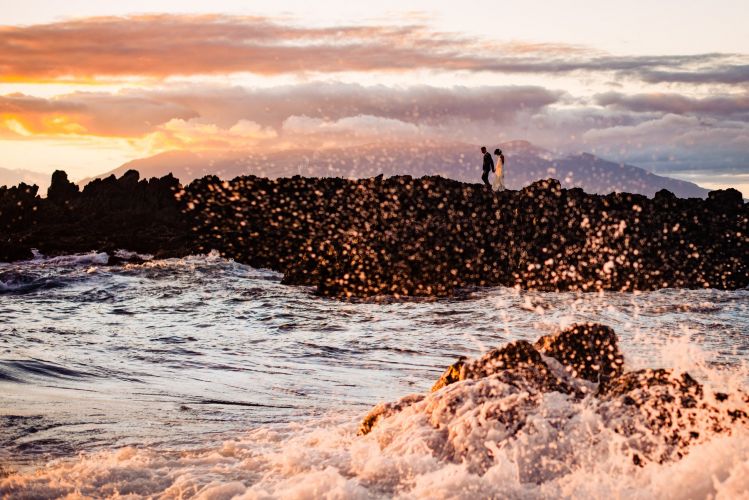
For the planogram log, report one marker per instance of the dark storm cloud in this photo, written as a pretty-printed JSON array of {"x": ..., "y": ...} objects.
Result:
[{"x": 728, "y": 74}]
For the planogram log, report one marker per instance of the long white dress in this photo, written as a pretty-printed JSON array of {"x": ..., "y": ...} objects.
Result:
[{"x": 499, "y": 176}]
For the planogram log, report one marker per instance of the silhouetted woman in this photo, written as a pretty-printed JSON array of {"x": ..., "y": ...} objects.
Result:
[{"x": 499, "y": 166}]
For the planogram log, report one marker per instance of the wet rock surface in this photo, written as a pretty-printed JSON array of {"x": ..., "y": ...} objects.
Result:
[
  {"x": 588, "y": 351},
  {"x": 517, "y": 360},
  {"x": 650, "y": 415},
  {"x": 398, "y": 236},
  {"x": 431, "y": 236}
]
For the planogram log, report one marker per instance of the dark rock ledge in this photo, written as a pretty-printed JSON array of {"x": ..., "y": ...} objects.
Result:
[{"x": 398, "y": 236}]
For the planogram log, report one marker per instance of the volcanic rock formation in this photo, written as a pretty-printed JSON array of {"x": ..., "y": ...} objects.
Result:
[
  {"x": 523, "y": 390},
  {"x": 110, "y": 214},
  {"x": 430, "y": 236},
  {"x": 398, "y": 236}
]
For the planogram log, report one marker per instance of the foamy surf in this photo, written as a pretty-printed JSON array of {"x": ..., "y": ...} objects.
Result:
[
  {"x": 252, "y": 389},
  {"x": 90, "y": 258},
  {"x": 326, "y": 459},
  {"x": 568, "y": 448}
]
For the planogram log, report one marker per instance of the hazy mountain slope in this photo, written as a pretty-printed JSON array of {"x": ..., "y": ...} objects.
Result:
[
  {"x": 9, "y": 177},
  {"x": 600, "y": 175},
  {"x": 525, "y": 163}
]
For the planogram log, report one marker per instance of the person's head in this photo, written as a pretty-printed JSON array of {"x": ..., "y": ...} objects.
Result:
[
  {"x": 483, "y": 149},
  {"x": 497, "y": 151}
]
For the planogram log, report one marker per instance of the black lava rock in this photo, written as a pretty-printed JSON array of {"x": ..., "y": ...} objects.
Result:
[{"x": 397, "y": 236}]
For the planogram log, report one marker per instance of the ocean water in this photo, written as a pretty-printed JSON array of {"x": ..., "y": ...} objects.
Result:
[{"x": 200, "y": 377}]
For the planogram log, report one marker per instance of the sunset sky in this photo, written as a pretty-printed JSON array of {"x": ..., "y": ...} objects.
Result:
[{"x": 88, "y": 85}]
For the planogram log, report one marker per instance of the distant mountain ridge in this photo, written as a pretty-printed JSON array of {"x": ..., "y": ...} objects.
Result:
[
  {"x": 12, "y": 177},
  {"x": 525, "y": 163}
]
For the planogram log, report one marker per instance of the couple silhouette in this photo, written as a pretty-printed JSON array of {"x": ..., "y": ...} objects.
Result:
[{"x": 498, "y": 169}]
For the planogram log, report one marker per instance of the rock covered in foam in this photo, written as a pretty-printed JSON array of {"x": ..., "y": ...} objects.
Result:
[
  {"x": 384, "y": 410},
  {"x": 453, "y": 373},
  {"x": 538, "y": 393},
  {"x": 589, "y": 351},
  {"x": 672, "y": 408}
]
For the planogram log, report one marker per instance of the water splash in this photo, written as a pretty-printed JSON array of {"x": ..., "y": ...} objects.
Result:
[{"x": 158, "y": 342}]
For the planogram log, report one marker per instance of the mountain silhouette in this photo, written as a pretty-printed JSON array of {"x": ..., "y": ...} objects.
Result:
[{"x": 525, "y": 163}]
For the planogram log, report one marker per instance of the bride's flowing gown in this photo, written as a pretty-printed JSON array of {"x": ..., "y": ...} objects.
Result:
[{"x": 499, "y": 177}]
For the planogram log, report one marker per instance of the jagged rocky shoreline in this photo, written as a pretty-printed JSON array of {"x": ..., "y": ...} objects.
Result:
[
  {"x": 109, "y": 214},
  {"x": 546, "y": 394},
  {"x": 395, "y": 236}
]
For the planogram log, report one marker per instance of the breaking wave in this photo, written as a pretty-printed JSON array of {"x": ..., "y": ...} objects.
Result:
[
  {"x": 326, "y": 459},
  {"x": 202, "y": 378}
]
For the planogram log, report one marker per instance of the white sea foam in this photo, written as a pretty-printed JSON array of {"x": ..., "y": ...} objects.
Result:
[
  {"x": 327, "y": 460},
  {"x": 186, "y": 330},
  {"x": 126, "y": 254},
  {"x": 449, "y": 445},
  {"x": 84, "y": 259}
]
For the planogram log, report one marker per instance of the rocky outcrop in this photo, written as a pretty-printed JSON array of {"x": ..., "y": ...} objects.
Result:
[
  {"x": 588, "y": 351},
  {"x": 516, "y": 360},
  {"x": 18, "y": 210},
  {"x": 61, "y": 190},
  {"x": 398, "y": 236},
  {"x": 109, "y": 214},
  {"x": 428, "y": 237},
  {"x": 513, "y": 393}
]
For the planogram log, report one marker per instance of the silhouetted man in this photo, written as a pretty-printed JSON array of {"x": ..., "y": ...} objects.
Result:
[{"x": 488, "y": 166}]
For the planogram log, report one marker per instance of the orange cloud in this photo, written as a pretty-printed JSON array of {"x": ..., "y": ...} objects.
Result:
[
  {"x": 87, "y": 114},
  {"x": 160, "y": 46},
  {"x": 165, "y": 45}
]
